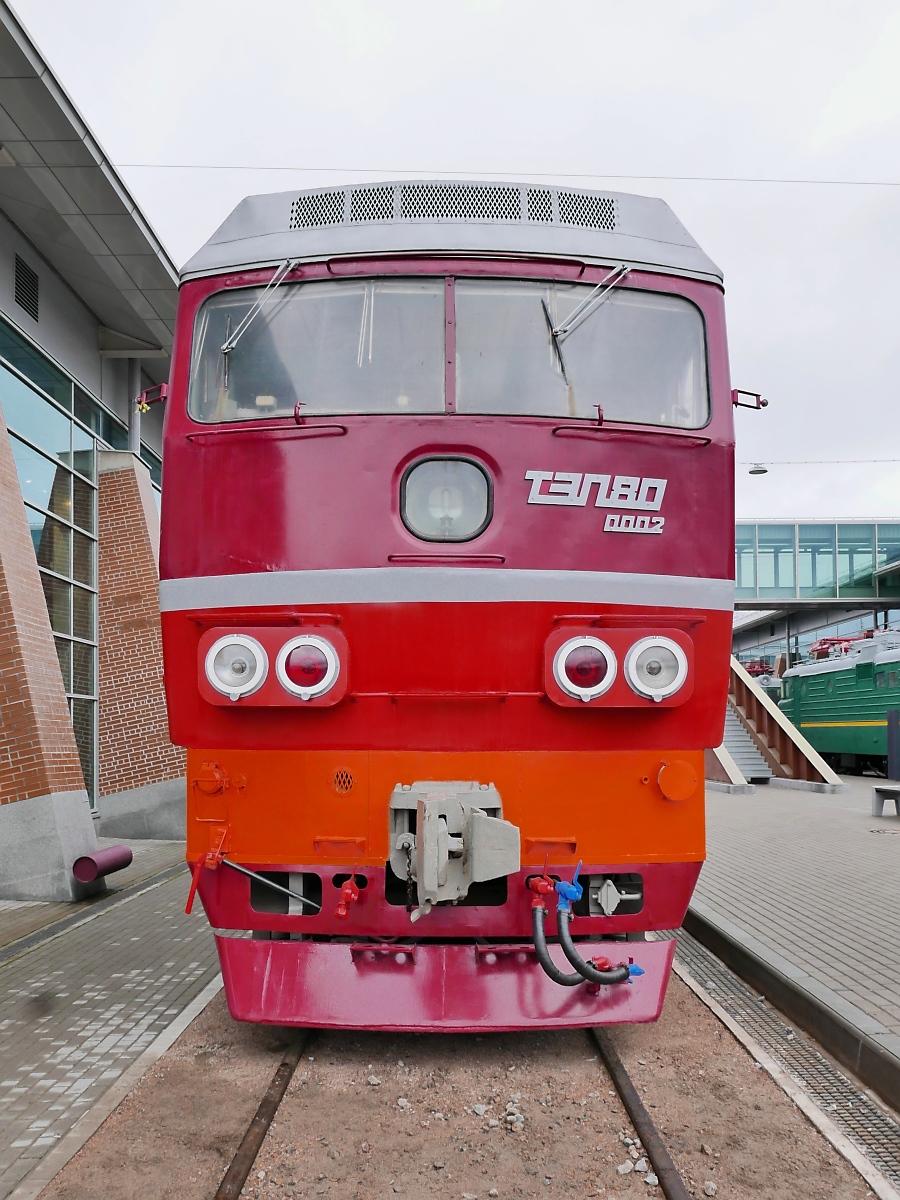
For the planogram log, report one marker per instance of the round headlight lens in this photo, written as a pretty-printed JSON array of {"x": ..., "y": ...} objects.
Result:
[
  {"x": 236, "y": 665},
  {"x": 656, "y": 667},
  {"x": 584, "y": 667},
  {"x": 307, "y": 666},
  {"x": 445, "y": 500}
]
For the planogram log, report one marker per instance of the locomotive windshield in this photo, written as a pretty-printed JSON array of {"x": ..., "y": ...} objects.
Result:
[{"x": 378, "y": 346}]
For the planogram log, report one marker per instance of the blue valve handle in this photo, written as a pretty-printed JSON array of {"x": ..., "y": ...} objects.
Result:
[{"x": 569, "y": 892}]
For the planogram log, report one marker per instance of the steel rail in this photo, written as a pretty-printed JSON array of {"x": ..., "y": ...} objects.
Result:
[
  {"x": 666, "y": 1172},
  {"x": 241, "y": 1165}
]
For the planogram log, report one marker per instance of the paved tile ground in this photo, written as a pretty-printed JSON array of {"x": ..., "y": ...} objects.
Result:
[
  {"x": 18, "y": 918},
  {"x": 76, "y": 1011},
  {"x": 816, "y": 879}
]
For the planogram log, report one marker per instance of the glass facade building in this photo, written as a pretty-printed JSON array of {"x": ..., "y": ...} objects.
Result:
[
  {"x": 56, "y": 429},
  {"x": 780, "y": 561}
]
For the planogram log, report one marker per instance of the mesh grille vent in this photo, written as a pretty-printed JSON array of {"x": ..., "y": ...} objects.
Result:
[
  {"x": 26, "y": 290},
  {"x": 372, "y": 204},
  {"x": 540, "y": 204},
  {"x": 457, "y": 202},
  {"x": 320, "y": 208},
  {"x": 342, "y": 781},
  {"x": 592, "y": 212}
]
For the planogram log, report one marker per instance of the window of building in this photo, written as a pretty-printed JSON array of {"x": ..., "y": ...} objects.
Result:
[
  {"x": 55, "y": 429},
  {"x": 856, "y": 559},
  {"x": 56, "y": 462},
  {"x": 815, "y": 560},
  {"x": 745, "y": 562},
  {"x": 775, "y": 561},
  {"x": 888, "y": 557}
]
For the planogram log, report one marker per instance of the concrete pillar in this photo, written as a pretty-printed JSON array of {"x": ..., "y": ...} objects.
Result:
[
  {"x": 134, "y": 414},
  {"x": 141, "y": 774},
  {"x": 45, "y": 821}
]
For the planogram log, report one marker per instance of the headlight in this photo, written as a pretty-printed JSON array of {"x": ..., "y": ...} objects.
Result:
[
  {"x": 445, "y": 500},
  {"x": 585, "y": 667},
  {"x": 656, "y": 667},
  {"x": 236, "y": 665},
  {"x": 307, "y": 666}
]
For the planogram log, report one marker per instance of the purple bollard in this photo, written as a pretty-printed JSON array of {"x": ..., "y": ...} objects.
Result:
[{"x": 102, "y": 862}]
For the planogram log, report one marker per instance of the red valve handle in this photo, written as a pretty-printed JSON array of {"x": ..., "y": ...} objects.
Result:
[
  {"x": 211, "y": 860},
  {"x": 541, "y": 885},
  {"x": 349, "y": 895}
]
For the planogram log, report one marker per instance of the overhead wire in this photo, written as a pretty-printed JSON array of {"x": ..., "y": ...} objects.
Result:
[
  {"x": 890, "y": 183},
  {"x": 811, "y": 462}
]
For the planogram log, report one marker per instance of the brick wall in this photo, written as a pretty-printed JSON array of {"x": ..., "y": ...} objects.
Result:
[
  {"x": 133, "y": 732},
  {"x": 38, "y": 754}
]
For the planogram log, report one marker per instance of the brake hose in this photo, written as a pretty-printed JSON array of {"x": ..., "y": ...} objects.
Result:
[
  {"x": 538, "y": 916},
  {"x": 585, "y": 969}
]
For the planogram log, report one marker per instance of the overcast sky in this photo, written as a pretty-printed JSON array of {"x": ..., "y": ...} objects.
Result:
[{"x": 356, "y": 89}]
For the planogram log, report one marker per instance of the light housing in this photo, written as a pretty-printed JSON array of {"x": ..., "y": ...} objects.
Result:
[
  {"x": 318, "y": 676},
  {"x": 572, "y": 644},
  {"x": 309, "y": 655},
  {"x": 447, "y": 499},
  {"x": 656, "y": 667},
  {"x": 236, "y": 665},
  {"x": 585, "y": 667}
]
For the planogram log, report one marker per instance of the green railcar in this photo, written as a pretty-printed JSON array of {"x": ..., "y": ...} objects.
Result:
[{"x": 840, "y": 705}]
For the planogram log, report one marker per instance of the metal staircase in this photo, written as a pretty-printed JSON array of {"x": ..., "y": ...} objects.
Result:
[
  {"x": 761, "y": 745},
  {"x": 742, "y": 748}
]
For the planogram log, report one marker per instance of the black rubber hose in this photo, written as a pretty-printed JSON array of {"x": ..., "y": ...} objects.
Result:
[
  {"x": 538, "y": 916},
  {"x": 585, "y": 969}
]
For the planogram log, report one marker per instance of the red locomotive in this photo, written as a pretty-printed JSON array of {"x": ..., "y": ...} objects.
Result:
[{"x": 447, "y": 562}]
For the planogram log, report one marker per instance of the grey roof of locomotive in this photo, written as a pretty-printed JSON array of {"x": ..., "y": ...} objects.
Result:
[
  {"x": 453, "y": 216},
  {"x": 880, "y": 649}
]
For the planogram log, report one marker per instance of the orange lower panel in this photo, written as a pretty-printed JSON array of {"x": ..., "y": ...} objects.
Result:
[{"x": 331, "y": 806}]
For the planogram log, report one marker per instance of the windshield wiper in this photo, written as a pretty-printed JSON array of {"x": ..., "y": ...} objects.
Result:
[
  {"x": 554, "y": 338},
  {"x": 278, "y": 278},
  {"x": 589, "y": 304}
]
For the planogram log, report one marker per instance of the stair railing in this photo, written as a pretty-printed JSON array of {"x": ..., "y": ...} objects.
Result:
[{"x": 779, "y": 741}]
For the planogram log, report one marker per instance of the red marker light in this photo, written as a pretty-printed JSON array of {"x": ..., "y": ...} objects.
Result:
[
  {"x": 585, "y": 667},
  {"x": 306, "y": 666}
]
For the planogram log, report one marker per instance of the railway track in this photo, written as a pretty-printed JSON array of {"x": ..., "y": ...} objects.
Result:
[{"x": 670, "y": 1181}]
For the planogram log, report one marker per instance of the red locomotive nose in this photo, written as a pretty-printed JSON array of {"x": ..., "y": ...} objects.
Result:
[
  {"x": 585, "y": 667},
  {"x": 306, "y": 666}
]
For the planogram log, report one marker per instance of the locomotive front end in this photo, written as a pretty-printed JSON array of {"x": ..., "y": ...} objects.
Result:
[{"x": 447, "y": 560}]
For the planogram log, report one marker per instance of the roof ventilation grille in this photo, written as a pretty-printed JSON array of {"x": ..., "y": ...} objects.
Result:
[
  {"x": 459, "y": 202},
  {"x": 592, "y": 212},
  {"x": 372, "y": 204},
  {"x": 540, "y": 204},
  {"x": 317, "y": 208},
  {"x": 26, "y": 288}
]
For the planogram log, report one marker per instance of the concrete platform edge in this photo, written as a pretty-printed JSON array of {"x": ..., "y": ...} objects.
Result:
[
  {"x": 52, "y": 1163},
  {"x": 881, "y": 1186},
  {"x": 855, "y": 1039},
  {"x": 807, "y": 785}
]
